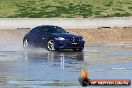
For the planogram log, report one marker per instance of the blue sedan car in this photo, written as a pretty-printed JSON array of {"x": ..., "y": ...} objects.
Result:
[{"x": 53, "y": 38}]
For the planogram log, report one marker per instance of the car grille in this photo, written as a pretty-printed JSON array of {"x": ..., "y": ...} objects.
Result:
[
  {"x": 75, "y": 45},
  {"x": 73, "y": 39},
  {"x": 72, "y": 45}
]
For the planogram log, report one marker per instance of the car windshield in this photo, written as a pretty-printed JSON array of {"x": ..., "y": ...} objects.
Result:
[{"x": 57, "y": 30}]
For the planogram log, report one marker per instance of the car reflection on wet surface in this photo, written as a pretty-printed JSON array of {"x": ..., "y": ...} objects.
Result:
[
  {"x": 44, "y": 69},
  {"x": 52, "y": 66}
]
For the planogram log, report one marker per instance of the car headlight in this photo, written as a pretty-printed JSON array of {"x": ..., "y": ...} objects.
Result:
[{"x": 60, "y": 38}]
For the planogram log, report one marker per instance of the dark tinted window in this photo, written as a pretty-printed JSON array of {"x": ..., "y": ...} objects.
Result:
[
  {"x": 40, "y": 29},
  {"x": 52, "y": 29},
  {"x": 57, "y": 30},
  {"x": 49, "y": 29}
]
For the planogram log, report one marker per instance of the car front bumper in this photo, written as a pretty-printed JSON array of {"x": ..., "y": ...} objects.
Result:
[{"x": 60, "y": 44}]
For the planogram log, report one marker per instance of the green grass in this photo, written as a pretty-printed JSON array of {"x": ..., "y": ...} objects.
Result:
[{"x": 65, "y": 8}]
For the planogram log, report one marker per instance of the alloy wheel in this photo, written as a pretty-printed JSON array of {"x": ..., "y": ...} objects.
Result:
[{"x": 51, "y": 45}]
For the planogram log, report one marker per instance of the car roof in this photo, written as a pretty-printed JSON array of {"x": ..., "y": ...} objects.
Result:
[{"x": 44, "y": 26}]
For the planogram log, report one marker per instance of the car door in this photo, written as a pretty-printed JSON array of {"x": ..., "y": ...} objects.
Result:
[
  {"x": 44, "y": 36},
  {"x": 35, "y": 36}
]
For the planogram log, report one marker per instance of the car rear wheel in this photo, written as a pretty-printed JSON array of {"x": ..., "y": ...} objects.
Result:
[
  {"x": 25, "y": 43},
  {"x": 51, "y": 45},
  {"x": 77, "y": 49}
]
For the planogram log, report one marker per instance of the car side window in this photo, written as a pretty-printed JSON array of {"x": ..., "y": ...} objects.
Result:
[
  {"x": 40, "y": 30},
  {"x": 44, "y": 30}
]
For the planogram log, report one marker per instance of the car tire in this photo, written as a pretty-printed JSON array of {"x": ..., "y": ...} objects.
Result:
[
  {"x": 77, "y": 49},
  {"x": 51, "y": 45},
  {"x": 25, "y": 43}
]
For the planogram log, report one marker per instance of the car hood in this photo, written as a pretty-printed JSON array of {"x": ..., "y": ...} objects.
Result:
[{"x": 65, "y": 35}]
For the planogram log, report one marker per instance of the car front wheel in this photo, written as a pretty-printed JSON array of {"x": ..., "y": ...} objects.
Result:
[{"x": 51, "y": 45}]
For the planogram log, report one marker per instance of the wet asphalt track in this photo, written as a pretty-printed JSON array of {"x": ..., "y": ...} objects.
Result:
[{"x": 39, "y": 68}]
